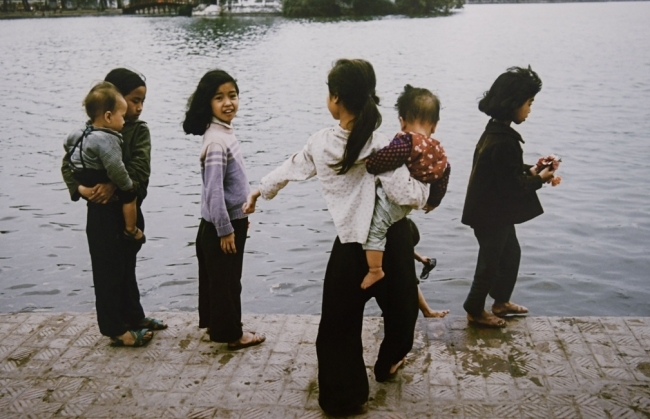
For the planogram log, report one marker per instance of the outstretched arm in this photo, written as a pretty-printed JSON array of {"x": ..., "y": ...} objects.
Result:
[
  {"x": 251, "y": 201},
  {"x": 300, "y": 166}
]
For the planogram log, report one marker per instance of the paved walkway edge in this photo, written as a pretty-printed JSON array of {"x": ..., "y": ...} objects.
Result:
[{"x": 55, "y": 365}]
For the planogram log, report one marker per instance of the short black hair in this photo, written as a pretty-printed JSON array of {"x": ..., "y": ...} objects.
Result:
[
  {"x": 199, "y": 108},
  {"x": 418, "y": 104},
  {"x": 125, "y": 80},
  {"x": 102, "y": 98},
  {"x": 509, "y": 92}
]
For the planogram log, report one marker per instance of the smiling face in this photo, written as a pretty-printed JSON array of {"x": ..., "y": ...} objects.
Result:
[
  {"x": 225, "y": 102},
  {"x": 522, "y": 112},
  {"x": 135, "y": 102}
]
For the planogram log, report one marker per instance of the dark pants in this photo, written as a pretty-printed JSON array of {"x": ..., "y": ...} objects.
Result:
[
  {"x": 496, "y": 269},
  {"x": 113, "y": 262},
  {"x": 220, "y": 281},
  {"x": 342, "y": 379}
]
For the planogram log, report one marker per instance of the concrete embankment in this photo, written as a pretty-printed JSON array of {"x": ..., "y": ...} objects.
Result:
[{"x": 58, "y": 365}]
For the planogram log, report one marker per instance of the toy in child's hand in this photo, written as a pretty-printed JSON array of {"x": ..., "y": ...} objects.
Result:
[{"x": 553, "y": 162}]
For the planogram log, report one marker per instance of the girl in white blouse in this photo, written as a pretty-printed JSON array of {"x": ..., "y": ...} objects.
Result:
[{"x": 336, "y": 156}]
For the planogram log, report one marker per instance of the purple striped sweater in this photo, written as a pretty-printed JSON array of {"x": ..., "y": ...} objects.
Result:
[{"x": 225, "y": 185}]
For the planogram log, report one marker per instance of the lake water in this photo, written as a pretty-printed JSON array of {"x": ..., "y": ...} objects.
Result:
[{"x": 588, "y": 255}]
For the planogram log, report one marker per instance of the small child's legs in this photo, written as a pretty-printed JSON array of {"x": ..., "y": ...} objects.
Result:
[
  {"x": 130, "y": 212},
  {"x": 375, "y": 271},
  {"x": 385, "y": 214}
]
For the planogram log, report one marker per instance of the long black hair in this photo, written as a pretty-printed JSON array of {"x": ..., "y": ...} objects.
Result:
[
  {"x": 353, "y": 83},
  {"x": 125, "y": 80},
  {"x": 509, "y": 92},
  {"x": 199, "y": 108}
]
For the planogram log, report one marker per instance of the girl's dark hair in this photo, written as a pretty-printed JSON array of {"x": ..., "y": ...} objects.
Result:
[
  {"x": 509, "y": 92},
  {"x": 199, "y": 108},
  {"x": 418, "y": 104},
  {"x": 125, "y": 80},
  {"x": 353, "y": 83}
]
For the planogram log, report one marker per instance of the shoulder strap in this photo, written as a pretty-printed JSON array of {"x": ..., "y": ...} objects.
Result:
[{"x": 79, "y": 143}]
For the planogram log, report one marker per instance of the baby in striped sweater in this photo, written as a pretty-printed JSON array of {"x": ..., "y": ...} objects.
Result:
[{"x": 419, "y": 112}]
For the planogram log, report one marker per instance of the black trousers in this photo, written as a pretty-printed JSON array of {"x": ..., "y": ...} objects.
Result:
[
  {"x": 220, "y": 281},
  {"x": 497, "y": 267},
  {"x": 117, "y": 297},
  {"x": 342, "y": 378}
]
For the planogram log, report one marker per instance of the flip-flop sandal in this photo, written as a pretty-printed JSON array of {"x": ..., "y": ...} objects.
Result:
[
  {"x": 131, "y": 236},
  {"x": 496, "y": 325},
  {"x": 515, "y": 309},
  {"x": 428, "y": 267},
  {"x": 153, "y": 324},
  {"x": 256, "y": 341},
  {"x": 138, "y": 335}
]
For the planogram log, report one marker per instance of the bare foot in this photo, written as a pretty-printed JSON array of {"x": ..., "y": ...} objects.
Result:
[
  {"x": 486, "y": 319},
  {"x": 373, "y": 275},
  {"x": 136, "y": 234},
  {"x": 503, "y": 309},
  {"x": 434, "y": 313},
  {"x": 395, "y": 367}
]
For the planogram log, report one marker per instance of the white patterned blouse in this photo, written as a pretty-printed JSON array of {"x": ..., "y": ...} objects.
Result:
[{"x": 350, "y": 197}]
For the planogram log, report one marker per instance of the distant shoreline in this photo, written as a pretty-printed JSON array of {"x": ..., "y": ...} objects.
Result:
[{"x": 37, "y": 14}]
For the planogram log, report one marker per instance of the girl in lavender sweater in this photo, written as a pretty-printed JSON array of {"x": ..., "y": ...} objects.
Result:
[{"x": 222, "y": 233}]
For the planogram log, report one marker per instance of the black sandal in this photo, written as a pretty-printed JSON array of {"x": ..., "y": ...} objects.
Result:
[
  {"x": 131, "y": 236},
  {"x": 139, "y": 337},
  {"x": 428, "y": 267},
  {"x": 152, "y": 324}
]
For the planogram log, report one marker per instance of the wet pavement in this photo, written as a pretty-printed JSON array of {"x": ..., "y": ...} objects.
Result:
[{"x": 58, "y": 365}]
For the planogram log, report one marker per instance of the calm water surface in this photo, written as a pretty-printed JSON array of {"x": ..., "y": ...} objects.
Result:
[{"x": 587, "y": 255}]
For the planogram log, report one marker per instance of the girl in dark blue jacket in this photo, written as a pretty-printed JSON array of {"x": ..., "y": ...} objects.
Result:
[{"x": 501, "y": 193}]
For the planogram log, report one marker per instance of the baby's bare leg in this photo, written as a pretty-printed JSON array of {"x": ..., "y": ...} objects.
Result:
[
  {"x": 375, "y": 271},
  {"x": 130, "y": 212}
]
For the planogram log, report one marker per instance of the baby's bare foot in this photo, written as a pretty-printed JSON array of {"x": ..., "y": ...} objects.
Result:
[{"x": 373, "y": 275}]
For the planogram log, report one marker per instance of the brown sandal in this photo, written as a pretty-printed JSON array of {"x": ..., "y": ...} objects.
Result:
[
  {"x": 508, "y": 308},
  {"x": 257, "y": 339},
  {"x": 486, "y": 320}
]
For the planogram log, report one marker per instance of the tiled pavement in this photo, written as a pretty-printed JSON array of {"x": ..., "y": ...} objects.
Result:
[{"x": 57, "y": 365}]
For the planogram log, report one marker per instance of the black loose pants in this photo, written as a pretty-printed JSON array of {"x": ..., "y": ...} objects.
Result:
[
  {"x": 113, "y": 258},
  {"x": 220, "y": 281},
  {"x": 342, "y": 379},
  {"x": 497, "y": 267}
]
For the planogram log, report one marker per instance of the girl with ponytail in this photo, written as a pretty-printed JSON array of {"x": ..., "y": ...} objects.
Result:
[{"x": 336, "y": 155}]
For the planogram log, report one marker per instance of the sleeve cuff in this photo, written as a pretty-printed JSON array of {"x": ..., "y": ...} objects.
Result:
[{"x": 225, "y": 230}]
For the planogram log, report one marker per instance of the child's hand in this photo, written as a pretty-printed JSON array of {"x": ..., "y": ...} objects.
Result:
[
  {"x": 552, "y": 161},
  {"x": 228, "y": 244},
  {"x": 428, "y": 208},
  {"x": 251, "y": 201},
  {"x": 102, "y": 193},
  {"x": 546, "y": 173}
]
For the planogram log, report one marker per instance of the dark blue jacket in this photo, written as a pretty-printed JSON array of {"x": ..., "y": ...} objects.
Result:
[{"x": 501, "y": 190}]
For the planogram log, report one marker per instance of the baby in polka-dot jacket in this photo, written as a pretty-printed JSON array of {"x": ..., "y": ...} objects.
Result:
[{"x": 419, "y": 112}]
